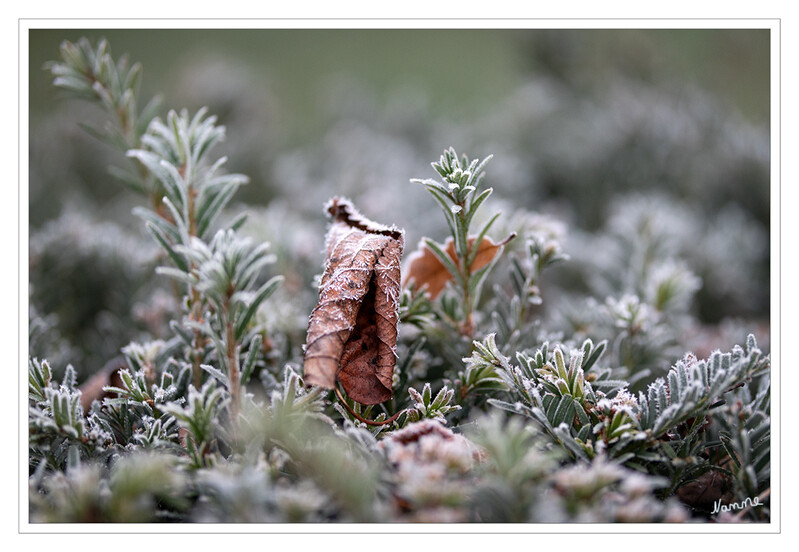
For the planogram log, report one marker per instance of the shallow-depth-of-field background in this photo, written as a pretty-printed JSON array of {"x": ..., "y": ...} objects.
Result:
[{"x": 582, "y": 125}]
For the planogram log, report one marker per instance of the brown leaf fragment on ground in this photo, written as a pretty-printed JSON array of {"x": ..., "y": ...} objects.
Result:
[
  {"x": 428, "y": 272},
  {"x": 428, "y": 460},
  {"x": 352, "y": 331},
  {"x": 703, "y": 492},
  {"x": 108, "y": 376}
]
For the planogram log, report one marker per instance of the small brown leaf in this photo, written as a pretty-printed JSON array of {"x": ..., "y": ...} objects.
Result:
[
  {"x": 425, "y": 269},
  {"x": 705, "y": 490},
  {"x": 352, "y": 331}
]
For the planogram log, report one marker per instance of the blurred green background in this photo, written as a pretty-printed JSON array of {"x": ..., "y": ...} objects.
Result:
[
  {"x": 592, "y": 127},
  {"x": 731, "y": 63}
]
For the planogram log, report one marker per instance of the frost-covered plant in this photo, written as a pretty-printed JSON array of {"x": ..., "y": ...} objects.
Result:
[
  {"x": 460, "y": 197},
  {"x": 662, "y": 430},
  {"x": 222, "y": 277},
  {"x": 90, "y": 72},
  {"x": 546, "y": 380},
  {"x": 425, "y": 406}
]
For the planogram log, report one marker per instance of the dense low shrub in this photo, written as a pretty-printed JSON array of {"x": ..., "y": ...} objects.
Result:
[{"x": 536, "y": 366}]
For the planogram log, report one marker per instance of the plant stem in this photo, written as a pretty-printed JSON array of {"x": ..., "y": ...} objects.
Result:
[
  {"x": 199, "y": 340},
  {"x": 466, "y": 326},
  {"x": 233, "y": 366},
  {"x": 196, "y": 298}
]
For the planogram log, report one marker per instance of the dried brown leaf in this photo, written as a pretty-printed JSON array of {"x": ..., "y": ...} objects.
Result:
[
  {"x": 705, "y": 490},
  {"x": 427, "y": 271},
  {"x": 352, "y": 331}
]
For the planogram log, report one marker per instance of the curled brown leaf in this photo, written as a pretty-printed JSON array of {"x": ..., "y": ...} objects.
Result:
[
  {"x": 428, "y": 272},
  {"x": 352, "y": 331}
]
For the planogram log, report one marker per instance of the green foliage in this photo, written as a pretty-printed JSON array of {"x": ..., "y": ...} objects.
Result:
[
  {"x": 661, "y": 431},
  {"x": 415, "y": 308},
  {"x": 90, "y": 73},
  {"x": 746, "y": 438},
  {"x": 226, "y": 272},
  {"x": 425, "y": 406},
  {"x": 200, "y": 419},
  {"x": 136, "y": 490},
  {"x": 460, "y": 198},
  {"x": 512, "y": 313},
  {"x": 57, "y": 427},
  {"x": 481, "y": 369},
  {"x": 517, "y": 466},
  {"x": 39, "y": 376},
  {"x": 194, "y": 194},
  {"x": 528, "y": 392}
]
